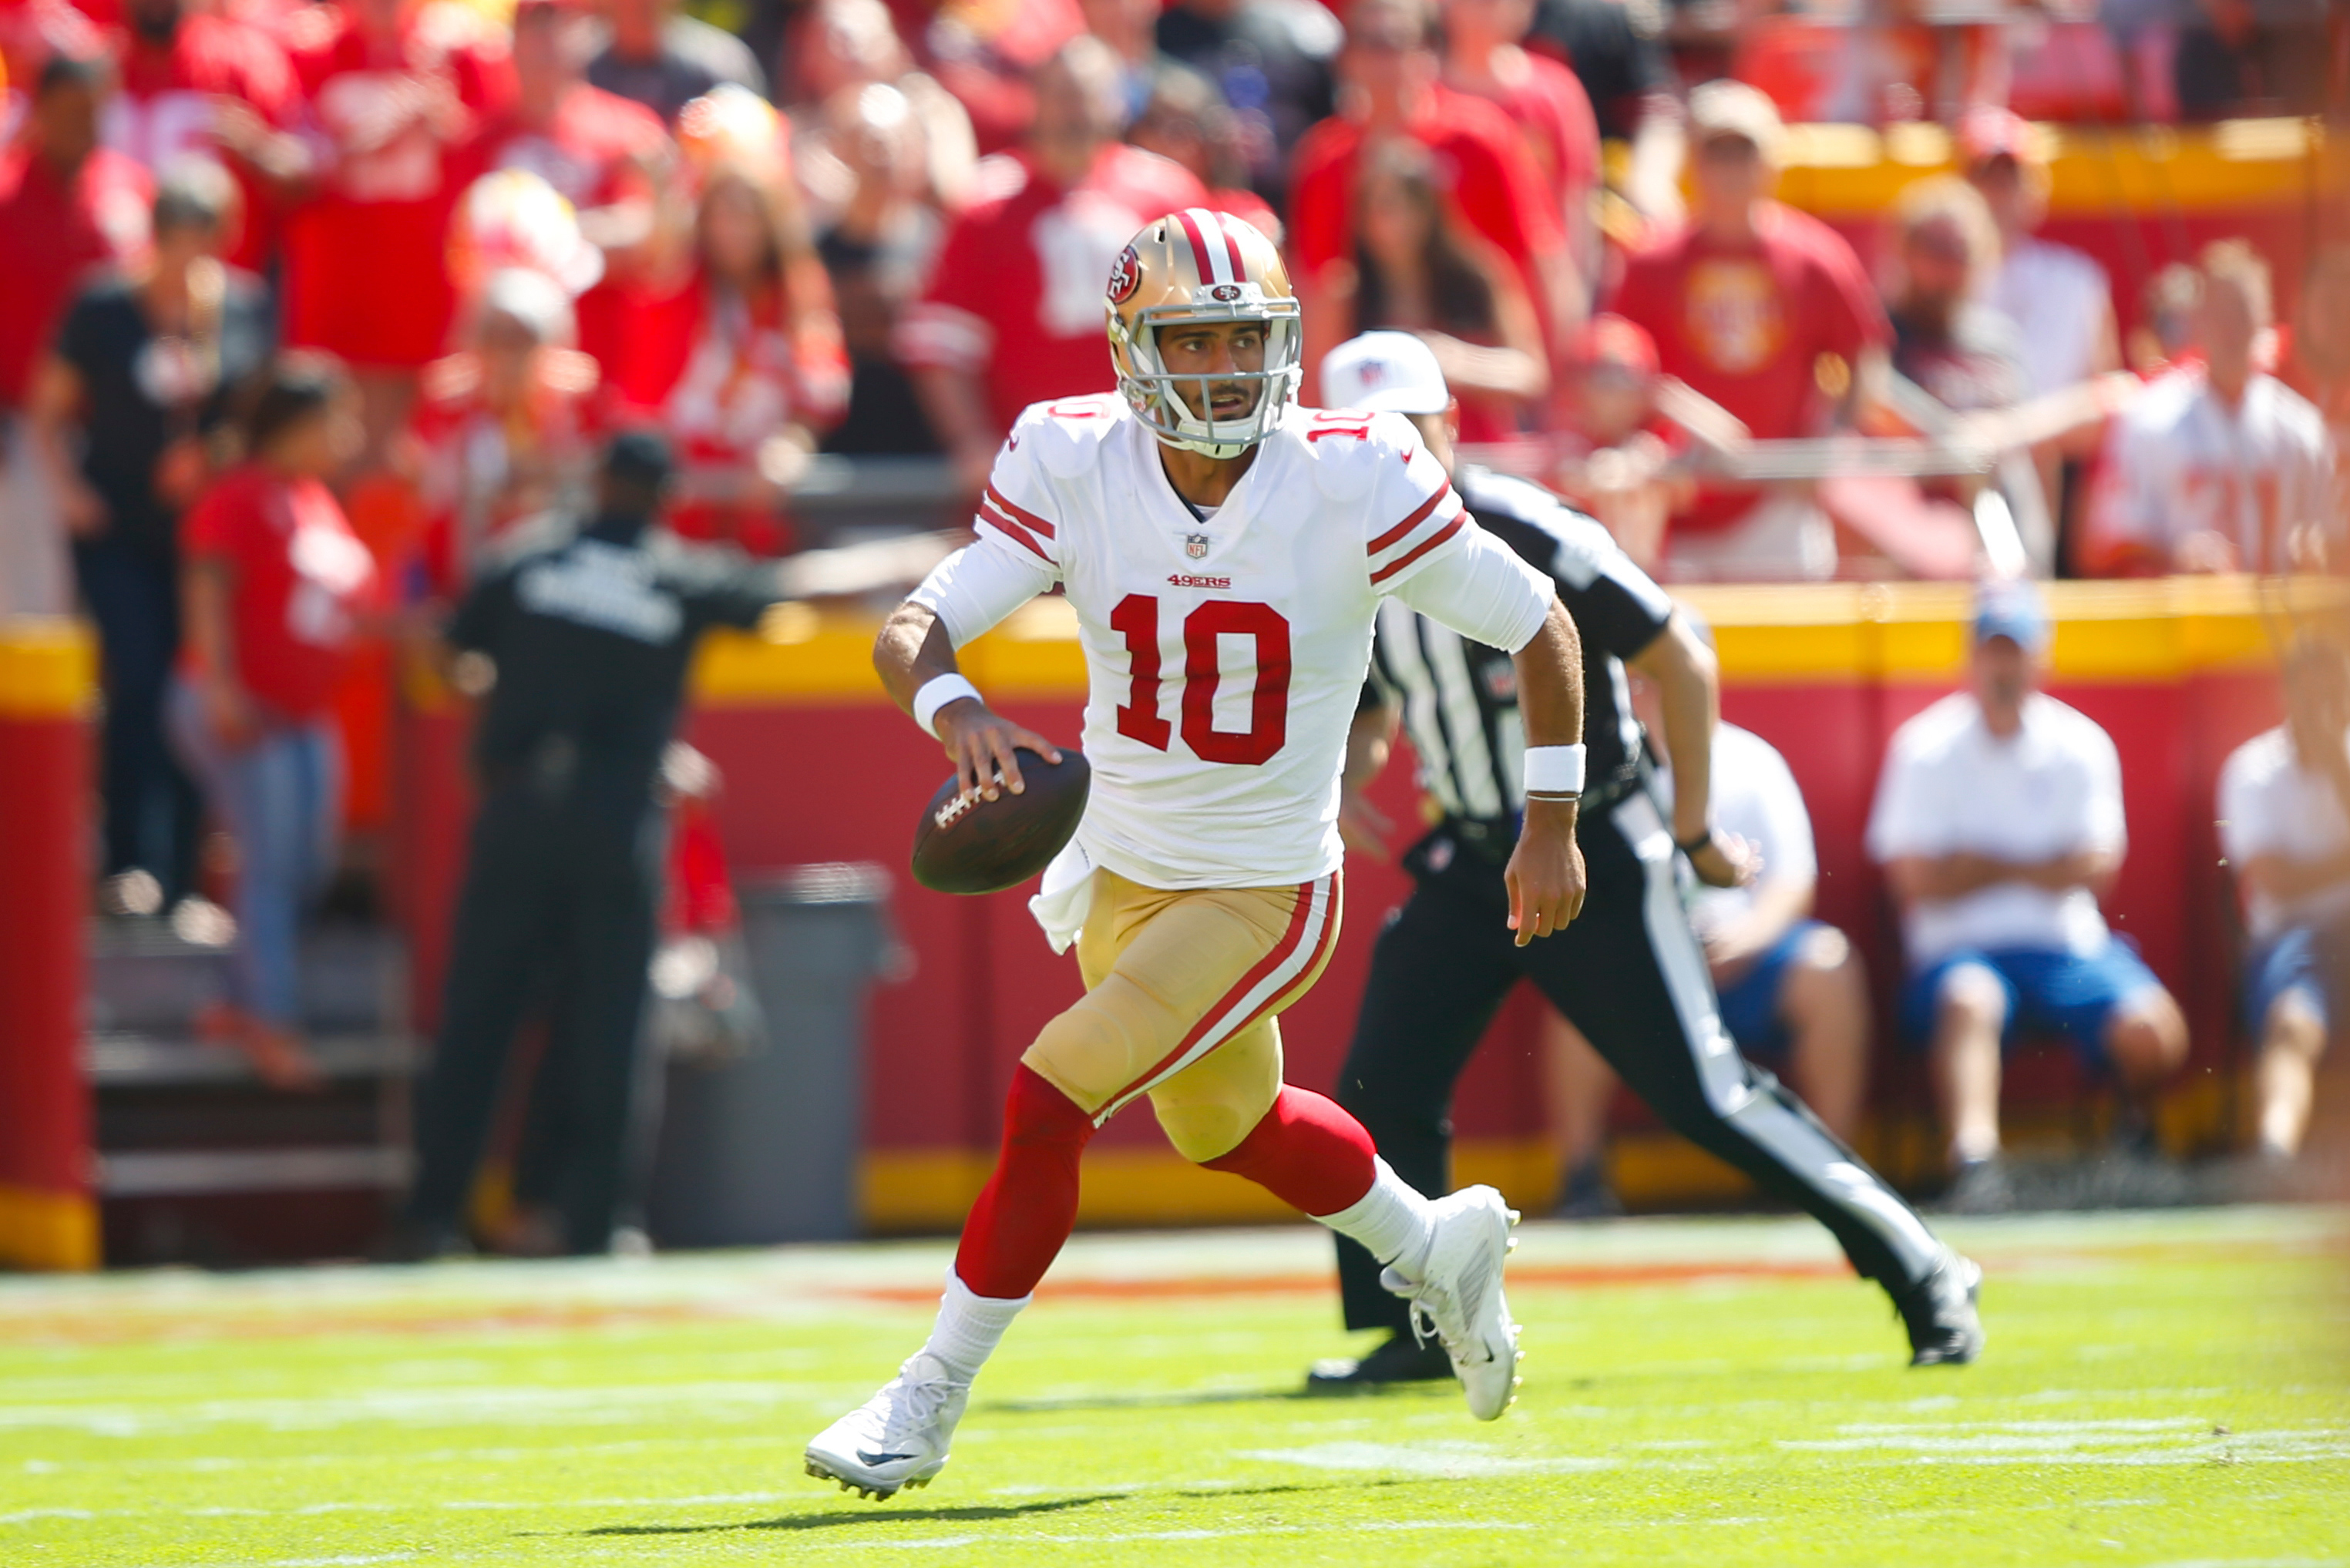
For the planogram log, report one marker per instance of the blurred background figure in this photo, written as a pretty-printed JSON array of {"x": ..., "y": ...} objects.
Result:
[
  {"x": 1748, "y": 303},
  {"x": 1392, "y": 89},
  {"x": 2164, "y": 338},
  {"x": 1013, "y": 311},
  {"x": 1483, "y": 58},
  {"x": 657, "y": 56},
  {"x": 1185, "y": 121},
  {"x": 2284, "y": 826},
  {"x": 583, "y": 650},
  {"x": 2255, "y": 57},
  {"x": 1415, "y": 269},
  {"x": 1633, "y": 89},
  {"x": 1612, "y": 442},
  {"x": 850, "y": 43},
  {"x": 1964, "y": 354},
  {"x": 393, "y": 87},
  {"x": 276, "y": 588},
  {"x": 1999, "y": 823},
  {"x": 1271, "y": 60},
  {"x": 2223, "y": 468},
  {"x": 736, "y": 351},
  {"x": 130, "y": 413}
]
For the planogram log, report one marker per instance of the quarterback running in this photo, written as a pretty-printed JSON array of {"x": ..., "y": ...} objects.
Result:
[{"x": 1226, "y": 552}]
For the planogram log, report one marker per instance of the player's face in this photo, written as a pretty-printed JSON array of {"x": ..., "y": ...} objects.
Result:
[{"x": 1202, "y": 352}]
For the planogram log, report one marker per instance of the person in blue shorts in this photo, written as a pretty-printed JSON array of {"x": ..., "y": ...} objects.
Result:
[
  {"x": 1999, "y": 823},
  {"x": 2284, "y": 826}
]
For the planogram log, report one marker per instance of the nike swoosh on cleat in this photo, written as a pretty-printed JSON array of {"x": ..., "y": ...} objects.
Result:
[{"x": 881, "y": 1458}]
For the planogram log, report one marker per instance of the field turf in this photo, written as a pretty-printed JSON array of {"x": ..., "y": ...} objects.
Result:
[{"x": 2160, "y": 1389}]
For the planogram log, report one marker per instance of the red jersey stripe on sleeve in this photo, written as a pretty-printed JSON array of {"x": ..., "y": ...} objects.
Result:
[
  {"x": 1399, "y": 562},
  {"x": 1016, "y": 532},
  {"x": 1397, "y": 533},
  {"x": 1013, "y": 509}
]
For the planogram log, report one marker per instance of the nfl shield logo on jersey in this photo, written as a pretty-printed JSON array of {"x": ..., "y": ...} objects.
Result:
[{"x": 1196, "y": 546}]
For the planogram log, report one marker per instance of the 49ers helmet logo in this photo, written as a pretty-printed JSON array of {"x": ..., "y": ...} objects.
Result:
[{"x": 1124, "y": 276}]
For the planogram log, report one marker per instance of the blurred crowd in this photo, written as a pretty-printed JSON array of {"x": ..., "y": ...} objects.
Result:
[{"x": 310, "y": 311}]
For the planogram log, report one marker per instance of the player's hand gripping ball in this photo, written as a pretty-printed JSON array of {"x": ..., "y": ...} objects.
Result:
[{"x": 969, "y": 844}]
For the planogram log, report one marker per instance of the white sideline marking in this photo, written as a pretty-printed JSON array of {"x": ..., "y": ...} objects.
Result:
[
  {"x": 1453, "y": 1458},
  {"x": 2175, "y": 1440},
  {"x": 949, "y": 1543}
]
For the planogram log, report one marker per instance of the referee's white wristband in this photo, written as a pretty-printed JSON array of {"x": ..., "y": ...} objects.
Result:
[
  {"x": 1554, "y": 770},
  {"x": 940, "y": 691}
]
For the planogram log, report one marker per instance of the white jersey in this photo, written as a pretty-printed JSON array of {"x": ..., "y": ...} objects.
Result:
[
  {"x": 2271, "y": 805},
  {"x": 1225, "y": 654},
  {"x": 2180, "y": 462},
  {"x": 2062, "y": 301}
]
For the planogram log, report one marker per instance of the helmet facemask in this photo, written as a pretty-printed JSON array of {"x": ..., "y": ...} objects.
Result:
[{"x": 1175, "y": 407}]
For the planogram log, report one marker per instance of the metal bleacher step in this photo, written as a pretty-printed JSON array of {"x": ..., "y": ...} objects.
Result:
[
  {"x": 200, "y": 1172},
  {"x": 145, "y": 980},
  {"x": 142, "y": 1059}
]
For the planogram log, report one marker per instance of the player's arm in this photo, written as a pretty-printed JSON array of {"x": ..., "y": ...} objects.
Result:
[
  {"x": 1370, "y": 741},
  {"x": 1688, "y": 693},
  {"x": 1545, "y": 875}
]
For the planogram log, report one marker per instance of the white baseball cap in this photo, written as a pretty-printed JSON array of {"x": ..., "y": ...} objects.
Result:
[{"x": 1382, "y": 373}]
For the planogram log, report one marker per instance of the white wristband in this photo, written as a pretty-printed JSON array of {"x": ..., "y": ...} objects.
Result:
[
  {"x": 940, "y": 691},
  {"x": 1555, "y": 769}
]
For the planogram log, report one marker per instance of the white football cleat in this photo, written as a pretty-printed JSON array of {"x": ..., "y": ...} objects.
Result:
[
  {"x": 897, "y": 1438},
  {"x": 1458, "y": 1297}
]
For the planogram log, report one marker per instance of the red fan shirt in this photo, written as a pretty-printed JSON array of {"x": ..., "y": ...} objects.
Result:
[
  {"x": 52, "y": 234},
  {"x": 1563, "y": 133},
  {"x": 367, "y": 276},
  {"x": 1016, "y": 293},
  {"x": 300, "y": 579},
  {"x": 165, "y": 110},
  {"x": 1492, "y": 179},
  {"x": 589, "y": 151},
  {"x": 1748, "y": 327}
]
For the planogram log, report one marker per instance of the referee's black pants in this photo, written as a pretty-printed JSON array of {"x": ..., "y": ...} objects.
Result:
[
  {"x": 563, "y": 887},
  {"x": 1630, "y": 975}
]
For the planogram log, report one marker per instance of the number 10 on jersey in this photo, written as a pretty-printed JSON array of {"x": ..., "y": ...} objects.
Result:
[{"x": 1135, "y": 618}]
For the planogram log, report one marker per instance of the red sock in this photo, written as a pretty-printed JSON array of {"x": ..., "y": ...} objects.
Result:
[
  {"x": 1308, "y": 1152},
  {"x": 1030, "y": 1205}
]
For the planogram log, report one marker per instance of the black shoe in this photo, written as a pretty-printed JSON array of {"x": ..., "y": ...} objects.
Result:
[
  {"x": 1587, "y": 1194},
  {"x": 1939, "y": 1313},
  {"x": 1399, "y": 1360}
]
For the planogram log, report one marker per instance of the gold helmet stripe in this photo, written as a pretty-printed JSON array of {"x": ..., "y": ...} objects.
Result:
[{"x": 1216, "y": 261}]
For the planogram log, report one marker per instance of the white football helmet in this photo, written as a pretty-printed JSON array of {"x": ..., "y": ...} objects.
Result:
[{"x": 1199, "y": 266}]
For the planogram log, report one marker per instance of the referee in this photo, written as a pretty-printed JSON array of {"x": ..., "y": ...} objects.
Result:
[{"x": 1628, "y": 973}]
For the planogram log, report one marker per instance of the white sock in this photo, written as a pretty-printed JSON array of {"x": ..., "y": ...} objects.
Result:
[
  {"x": 1393, "y": 1222},
  {"x": 969, "y": 1326}
]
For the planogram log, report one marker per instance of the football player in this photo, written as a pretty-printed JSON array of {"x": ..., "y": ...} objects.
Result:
[{"x": 1226, "y": 551}]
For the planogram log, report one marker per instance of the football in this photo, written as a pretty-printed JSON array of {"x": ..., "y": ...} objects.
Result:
[{"x": 969, "y": 844}]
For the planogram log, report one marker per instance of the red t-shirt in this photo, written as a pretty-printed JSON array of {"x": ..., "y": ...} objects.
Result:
[
  {"x": 53, "y": 232},
  {"x": 366, "y": 273},
  {"x": 300, "y": 579},
  {"x": 481, "y": 470},
  {"x": 588, "y": 151},
  {"x": 1490, "y": 175},
  {"x": 1016, "y": 291},
  {"x": 1747, "y": 326},
  {"x": 1563, "y": 133},
  {"x": 164, "y": 109}
]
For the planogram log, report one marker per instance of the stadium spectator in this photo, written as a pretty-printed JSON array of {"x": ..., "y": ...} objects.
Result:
[
  {"x": 1964, "y": 354},
  {"x": 664, "y": 60},
  {"x": 2319, "y": 365},
  {"x": 2164, "y": 338},
  {"x": 854, "y": 43},
  {"x": 1013, "y": 312},
  {"x": 1748, "y": 303},
  {"x": 2057, "y": 297},
  {"x": 1272, "y": 61},
  {"x": 1632, "y": 87},
  {"x": 878, "y": 248},
  {"x": 276, "y": 585},
  {"x": 1483, "y": 58},
  {"x": 1611, "y": 439},
  {"x": 988, "y": 55},
  {"x": 736, "y": 355},
  {"x": 126, "y": 411},
  {"x": 1393, "y": 87},
  {"x": 1185, "y": 121},
  {"x": 502, "y": 434},
  {"x": 393, "y": 87},
  {"x": 2253, "y": 58},
  {"x": 1415, "y": 270},
  {"x": 2223, "y": 468},
  {"x": 196, "y": 83},
  {"x": 1130, "y": 28},
  {"x": 2284, "y": 827},
  {"x": 1999, "y": 823},
  {"x": 66, "y": 204}
]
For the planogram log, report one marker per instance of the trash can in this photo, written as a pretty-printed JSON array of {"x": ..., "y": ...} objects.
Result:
[{"x": 763, "y": 1147}]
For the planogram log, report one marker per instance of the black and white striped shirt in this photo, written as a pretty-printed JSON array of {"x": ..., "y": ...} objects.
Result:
[{"x": 1459, "y": 698}]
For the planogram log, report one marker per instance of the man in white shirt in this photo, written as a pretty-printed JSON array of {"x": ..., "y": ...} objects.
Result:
[
  {"x": 2221, "y": 468},
  {"x": 2059, "y": 296},
  {"x": 1999, "y": 822},
  {"x": 2284, "y": 826}
]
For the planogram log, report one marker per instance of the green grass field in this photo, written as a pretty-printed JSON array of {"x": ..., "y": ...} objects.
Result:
[{"x": 2160, "y": 1389}]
